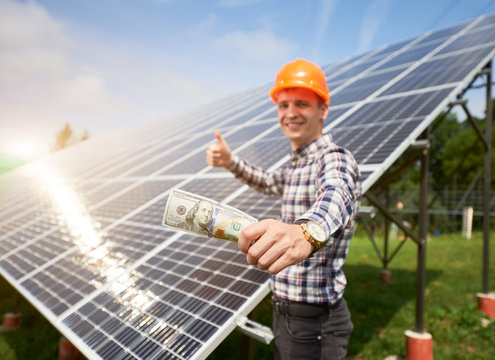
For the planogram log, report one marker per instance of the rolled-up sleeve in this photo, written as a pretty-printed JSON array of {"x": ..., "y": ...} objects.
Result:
[
  {"x": 266, "y": 182},
  {"x": 336, "y": 192}
]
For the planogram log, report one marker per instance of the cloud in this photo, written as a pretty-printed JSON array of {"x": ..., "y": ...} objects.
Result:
[
  {"x": 323, "y": 18},
  {"x": 42, "y": 85},
  {"x": 258, "y": 46},
  {"x": 31, "y": 43},
  {"x": 374, "y": 16}
]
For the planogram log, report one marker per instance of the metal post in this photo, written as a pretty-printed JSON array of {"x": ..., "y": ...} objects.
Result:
[
  {"x": 487, "y": 177},
  {"x": 387, "y": 227},
  {"x": 423, "y": 230}
]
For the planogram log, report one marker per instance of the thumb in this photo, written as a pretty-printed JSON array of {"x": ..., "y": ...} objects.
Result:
[{"x": 219, "y": 137}]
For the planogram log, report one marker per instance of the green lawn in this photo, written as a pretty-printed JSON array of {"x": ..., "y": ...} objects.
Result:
[
  {"x": 9, "y": 162},
  {"x": 381, "y": 312}
]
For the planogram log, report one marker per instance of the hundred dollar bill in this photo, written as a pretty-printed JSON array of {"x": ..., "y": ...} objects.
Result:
[{"x": 201, "y": 216}]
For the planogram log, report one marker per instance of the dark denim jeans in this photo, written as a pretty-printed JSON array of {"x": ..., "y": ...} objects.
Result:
[{"x": 318, "y": 335}]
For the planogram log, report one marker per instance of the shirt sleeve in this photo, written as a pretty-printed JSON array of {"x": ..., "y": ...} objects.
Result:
[
  {"x": 267, "y": 182},
  {"x": 337, "y": 194}
]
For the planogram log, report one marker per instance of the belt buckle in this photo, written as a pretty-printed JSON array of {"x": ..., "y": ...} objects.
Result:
[{"x": 278, "y": 306}]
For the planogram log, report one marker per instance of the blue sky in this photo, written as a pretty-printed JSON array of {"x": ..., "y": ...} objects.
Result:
[{"x": 100, "y": 65}]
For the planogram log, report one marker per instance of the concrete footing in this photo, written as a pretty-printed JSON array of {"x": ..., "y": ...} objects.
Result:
[
  {"x": 486, "y": 303},
  {"x": 385, "y": 276},
  {"x": 419, "y": 346},
  {"x": 67, "y": 351},
  {"x": 11, "y": 321}
]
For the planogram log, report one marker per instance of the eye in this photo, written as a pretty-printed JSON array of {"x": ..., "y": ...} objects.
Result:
[{"x": 282, "y": 106}]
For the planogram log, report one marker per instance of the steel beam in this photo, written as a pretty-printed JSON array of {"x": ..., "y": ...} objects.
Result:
[
  {"x": 423, "y": 230},
  {"x": 487, "y": 177}
]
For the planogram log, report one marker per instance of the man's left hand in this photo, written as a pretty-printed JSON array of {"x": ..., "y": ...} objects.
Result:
[{"x": 273, "y": 245}]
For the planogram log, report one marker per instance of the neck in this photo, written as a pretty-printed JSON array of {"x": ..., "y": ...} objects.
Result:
[{"x": 296, "y": 145}]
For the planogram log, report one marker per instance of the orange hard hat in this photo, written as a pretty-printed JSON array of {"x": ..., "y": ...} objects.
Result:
[{"x": 301, "y": 73}]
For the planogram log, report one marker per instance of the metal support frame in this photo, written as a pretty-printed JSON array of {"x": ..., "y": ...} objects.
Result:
[
  {"x": 387, "y": 227},
  {"x": 420, "y": 239},
  {"x": 423, "y": 231},
  {"x": 396, "y": 219},
  {"x": 487, "y": 177}
]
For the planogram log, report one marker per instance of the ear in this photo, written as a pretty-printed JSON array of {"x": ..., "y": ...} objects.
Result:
[{"x": 324, "y": 112}]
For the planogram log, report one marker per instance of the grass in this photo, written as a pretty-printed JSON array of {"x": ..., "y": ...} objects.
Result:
[
  {"x": 9, "y": 162},
  {"x": 381, "y": 312}
]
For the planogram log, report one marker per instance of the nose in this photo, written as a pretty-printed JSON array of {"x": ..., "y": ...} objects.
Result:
[{"x": 291, "y": 110}]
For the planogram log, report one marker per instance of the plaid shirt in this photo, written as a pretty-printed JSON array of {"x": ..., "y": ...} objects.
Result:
[{"x": 320, "y": 183}]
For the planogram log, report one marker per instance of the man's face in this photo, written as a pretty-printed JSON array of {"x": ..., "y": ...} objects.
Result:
[
  {"x": 301, "y": 115},
  {"x": 204, "y": 213}
]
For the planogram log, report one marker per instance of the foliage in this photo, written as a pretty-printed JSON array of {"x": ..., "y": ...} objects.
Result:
[
  {"x": 6, "y": 352},
  {"x": 448, "y": 130},
  {"x": 9, "y": 162},
  {"x": 459, "y": 146},
  {"x": 35, "y": 338}
]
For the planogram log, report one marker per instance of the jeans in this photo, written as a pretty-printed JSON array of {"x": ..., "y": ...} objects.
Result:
[{"x": 305, "y": 331}]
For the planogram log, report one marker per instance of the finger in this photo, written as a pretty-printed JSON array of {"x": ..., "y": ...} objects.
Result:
[
  {"x": 278, "y": 265},
  {"x": 265, "y": 253},
  {"x": 209, "y": 156},
  {"x": 288, "y": 257},
  {"x": 218, "y": 136},
  {"x": 250, "y": 234}
]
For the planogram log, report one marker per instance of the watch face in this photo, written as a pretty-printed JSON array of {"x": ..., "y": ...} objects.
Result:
[{"x": 316, "y": 231}]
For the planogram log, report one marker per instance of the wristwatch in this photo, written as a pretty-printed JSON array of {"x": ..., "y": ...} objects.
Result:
[{"x": 314, "y": 233}]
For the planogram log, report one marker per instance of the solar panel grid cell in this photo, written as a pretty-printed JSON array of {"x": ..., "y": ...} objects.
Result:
[
  {"x": 414, "y": 54},
  {"x": 364, "y": 87},
  {"x": 444, "y": 34},
  {"x": 357, "y": 68},
  {"x": 474, "y": 38},
  {"x": 131, "y": 199},
  {"x": 387, "y": 50}
]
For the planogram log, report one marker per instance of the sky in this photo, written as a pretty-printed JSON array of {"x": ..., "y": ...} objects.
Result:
[{"x": 101, "y": 65}]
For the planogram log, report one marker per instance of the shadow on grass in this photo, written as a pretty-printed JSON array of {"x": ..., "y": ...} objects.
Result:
[{"x": 373, "y": 304}]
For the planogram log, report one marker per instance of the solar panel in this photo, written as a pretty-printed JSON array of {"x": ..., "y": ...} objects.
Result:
[{"x": 80, "y": 233}]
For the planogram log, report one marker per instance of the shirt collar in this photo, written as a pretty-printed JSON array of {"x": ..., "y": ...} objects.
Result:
[{"x": 311, "y": 148}]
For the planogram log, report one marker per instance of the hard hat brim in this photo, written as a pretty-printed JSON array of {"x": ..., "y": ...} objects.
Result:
[{"x": 295, "y": 84}]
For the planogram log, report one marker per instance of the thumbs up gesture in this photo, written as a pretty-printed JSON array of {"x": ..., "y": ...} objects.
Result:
[{"x": 219, "y": 154}]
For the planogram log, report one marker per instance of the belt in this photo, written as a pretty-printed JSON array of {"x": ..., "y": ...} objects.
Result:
[{"x": 292, "y": 308}]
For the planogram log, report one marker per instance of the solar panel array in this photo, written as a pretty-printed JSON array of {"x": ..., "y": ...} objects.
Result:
[{"x": 80, "y": 233}]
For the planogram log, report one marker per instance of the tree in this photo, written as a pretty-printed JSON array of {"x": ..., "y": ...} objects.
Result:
[
  {"x": 449, "y": 128},
  {"x": 459, "y": 147},
  {"x": 66, "y": 137}
]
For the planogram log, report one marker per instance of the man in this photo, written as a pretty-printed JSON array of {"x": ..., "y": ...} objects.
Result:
[
  {"x": 306, "y": 250},
  {"x": 199, "y": 217}
]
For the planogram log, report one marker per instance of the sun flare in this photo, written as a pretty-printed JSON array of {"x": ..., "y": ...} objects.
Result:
[{"x": 24, "y": 149}]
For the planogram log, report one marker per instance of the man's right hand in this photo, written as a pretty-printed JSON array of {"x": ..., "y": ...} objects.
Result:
[{"x": 219, "y": 154}]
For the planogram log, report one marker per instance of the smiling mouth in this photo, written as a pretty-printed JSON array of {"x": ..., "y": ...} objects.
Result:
[{"x": 292, "y": 125}]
